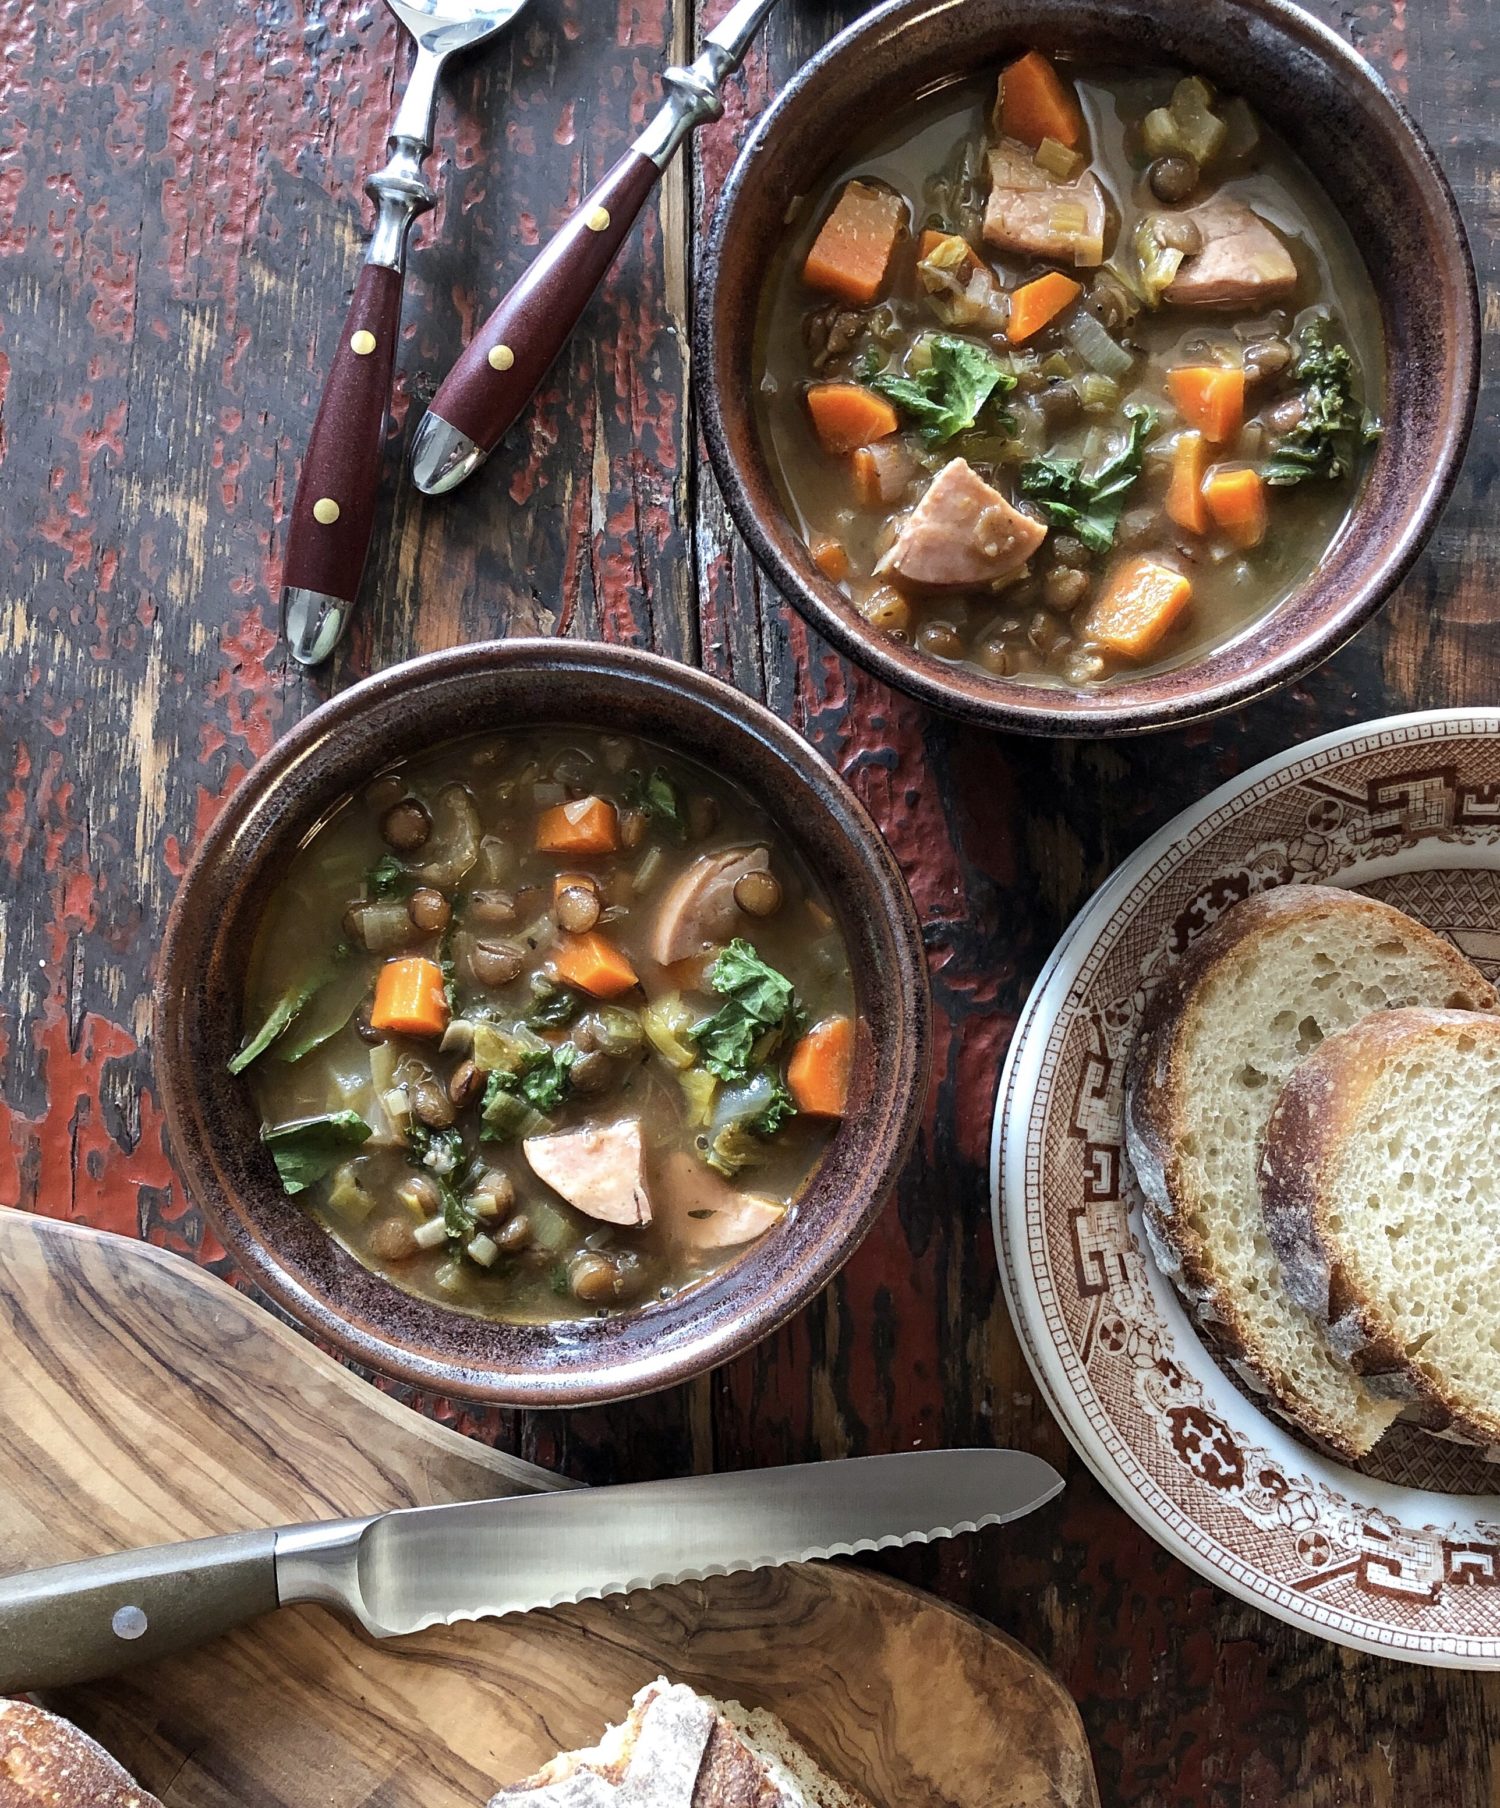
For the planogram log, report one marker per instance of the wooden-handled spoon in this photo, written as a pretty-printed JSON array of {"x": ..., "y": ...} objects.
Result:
[
  {"x": 504, "y": 363},
  {"x": 333, "y": 515}
]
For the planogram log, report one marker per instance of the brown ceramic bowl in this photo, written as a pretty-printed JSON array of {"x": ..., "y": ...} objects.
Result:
[
  {"x": 214, "y": 1128},
  {"x": 1332, "y": 108}
]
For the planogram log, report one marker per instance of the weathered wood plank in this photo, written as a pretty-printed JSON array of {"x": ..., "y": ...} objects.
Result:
[{"x": 180, "y": 223}]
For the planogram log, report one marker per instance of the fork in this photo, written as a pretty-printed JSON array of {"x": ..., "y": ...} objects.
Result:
[{"x": 333, "y": 515}]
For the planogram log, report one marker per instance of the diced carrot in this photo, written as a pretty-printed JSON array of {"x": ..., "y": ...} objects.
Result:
[
  {"x": 852, "y": 253},
  {"x": 829, "y": 555},
  {"x": 410, "y": 999},
  {"x": 818, "y": 1072},
  {"x": 1236, "y": 499},
  {"x": 847, "y": 416},
  {"x": 1035, "y": 103},
  {"x": 929, "y": 242},
  {"x": 1035, "y": 303},
  {"x": 1185, "y": 504},
  {"x": 1210, "y": 398},
  {"x": 587, "y": 825},
  {"x": 593, "y": 964},
  {"x": 1139, "y": 603}
]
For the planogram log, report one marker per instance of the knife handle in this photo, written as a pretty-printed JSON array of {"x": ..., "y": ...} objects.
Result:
[
  {"x": 502, "y": 366},
  {"x": 84, "y": 1620}
]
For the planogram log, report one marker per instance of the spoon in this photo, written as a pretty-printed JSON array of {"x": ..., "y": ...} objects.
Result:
[
  {"x": 503, "y": 365},
  {"x": 333, "y": 515}
]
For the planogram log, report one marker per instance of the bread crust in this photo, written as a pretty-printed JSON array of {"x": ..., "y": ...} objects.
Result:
[
  {"x": 1317, "y": 1112},
  {"x": 1156, "y": 1125},
  {"x": 46, "y": 1762}
]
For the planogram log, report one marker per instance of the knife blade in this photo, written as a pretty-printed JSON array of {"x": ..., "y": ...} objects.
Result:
[{"x": 397, "y": 1573}]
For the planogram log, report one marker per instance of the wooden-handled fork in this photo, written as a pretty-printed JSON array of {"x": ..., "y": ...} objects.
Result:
[
  {"x": 500, "y": 370},
  {"x": 333, "y": 515}
]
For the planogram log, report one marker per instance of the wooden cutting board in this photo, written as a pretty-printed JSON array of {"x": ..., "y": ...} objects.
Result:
[{"x": 142, "y": 1400}]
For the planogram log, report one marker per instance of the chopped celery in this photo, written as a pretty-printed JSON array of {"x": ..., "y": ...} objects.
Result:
[
  {"x": 507, "y": 1117},
  {"x": 551, "y": 1229},
  {"x": 1054, "y": 156},
  {"x": 698, "y": 1088},
  {"x": 666, "y": 1021}
]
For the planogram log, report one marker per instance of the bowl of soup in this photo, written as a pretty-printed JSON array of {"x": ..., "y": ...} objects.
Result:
[
  {"x": 542, "y": 1023},
  {"x": 1102, "y": 366}
]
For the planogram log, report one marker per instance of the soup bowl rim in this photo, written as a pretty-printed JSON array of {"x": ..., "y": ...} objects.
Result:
[
  {"x": 210, "y": 1119},
  {"x": 1230, "y": 672}
]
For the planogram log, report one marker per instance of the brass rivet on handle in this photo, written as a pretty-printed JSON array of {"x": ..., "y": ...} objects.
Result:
[
  {"x": 325, "y": 511},
  {"x": 501, "y": 357},
  {"x": 598, "y": 220},
  {"x": 362, "y": 343}
]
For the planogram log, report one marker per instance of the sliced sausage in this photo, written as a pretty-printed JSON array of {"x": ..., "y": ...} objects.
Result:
[
  {"x": 698, "y": 1210},
  {"x": 1242, "y": 260},
  {"x": 599, "y": 1170},
  {"x": 1033, "y": 213},
  {"x": 962, "y": 533},
  {"x": 698, "y": 909}
]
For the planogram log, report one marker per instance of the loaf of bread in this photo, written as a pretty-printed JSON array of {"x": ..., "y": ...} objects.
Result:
[
  {"x": 46, "y": 1762},
  {"x": 1224, "y": 1031},
  {"x": 678, "y": 1749},
  {"x": 1380, "y": 1184}
]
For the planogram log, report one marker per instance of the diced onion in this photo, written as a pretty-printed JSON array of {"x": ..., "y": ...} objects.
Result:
[{"x": 1089, "y": 339}]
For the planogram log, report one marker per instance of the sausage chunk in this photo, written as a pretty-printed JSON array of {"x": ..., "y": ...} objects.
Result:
[
  {"x": 698, "y": 910},
  {"x": 1242, "y": 260},
  {"x": 599, "y": 1170},
  {"x": 962, "y": 533},
  {"x": 1033, "y": 213},
  {"x": 698, "y": 1210}
]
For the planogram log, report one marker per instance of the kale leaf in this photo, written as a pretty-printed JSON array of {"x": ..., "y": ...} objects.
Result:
[
  {"x": 552, "y": 1005},
  {"x": 945, "y": 397},
  {"x": 767, "y": 1105},
  {"x": 1326, "y": 440},
  {"x": 286, "y": 1009},
  {"x": 385, "y": 878},
  {"x": 308, "y": 1149},
  {"x": 759, "y": 1012},
  {"x": 655, "y": 793},
  {"x": 1090, "y": 507},
  {"x": 515, "y": 1102}
]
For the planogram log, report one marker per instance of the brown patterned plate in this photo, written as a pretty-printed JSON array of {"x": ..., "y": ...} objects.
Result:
[{"x": 1401, "y": 1555}]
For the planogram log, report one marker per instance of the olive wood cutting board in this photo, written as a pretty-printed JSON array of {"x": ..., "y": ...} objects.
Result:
[{"x": 142, "y": 1400}]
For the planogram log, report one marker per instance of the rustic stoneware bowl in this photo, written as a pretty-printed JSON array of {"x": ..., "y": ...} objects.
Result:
[
  {"x": 214, "y": 1128},
  {"x": 1333, "y": 110}
]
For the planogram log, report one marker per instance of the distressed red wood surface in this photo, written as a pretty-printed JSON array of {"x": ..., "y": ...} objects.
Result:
[{"x": 180, "y": 227}]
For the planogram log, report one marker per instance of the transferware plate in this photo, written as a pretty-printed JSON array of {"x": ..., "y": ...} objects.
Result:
[{"x": 1401, "y": 1554}]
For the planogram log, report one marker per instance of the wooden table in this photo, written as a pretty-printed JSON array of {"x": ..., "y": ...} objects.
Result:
[{"x": 180, "y": 224}]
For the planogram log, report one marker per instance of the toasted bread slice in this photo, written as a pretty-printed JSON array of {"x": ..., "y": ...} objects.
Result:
[
  {"x": 678, "y": 1749},
  {"x": 45, "y": 1762},
  {"x": 1380, "y": 1184},
  {"x": 1221, "y": 1034}
]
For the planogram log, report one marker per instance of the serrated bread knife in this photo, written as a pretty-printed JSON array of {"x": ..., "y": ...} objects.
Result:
[{"x": 399, "y": 1572}]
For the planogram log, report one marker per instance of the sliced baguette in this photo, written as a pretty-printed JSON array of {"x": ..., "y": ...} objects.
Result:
[
  {"x": 1221, "y": 1034},
  {"x": 1380, "y": 1184}
]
